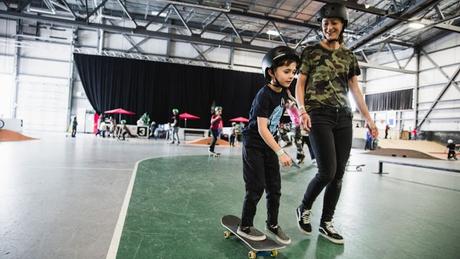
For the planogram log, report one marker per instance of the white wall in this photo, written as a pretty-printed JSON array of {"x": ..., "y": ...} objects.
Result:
[{"x": 446, "y": 115}]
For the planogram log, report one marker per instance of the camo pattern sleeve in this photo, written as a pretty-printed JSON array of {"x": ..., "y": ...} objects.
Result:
[{"x": 327, "y": 74}]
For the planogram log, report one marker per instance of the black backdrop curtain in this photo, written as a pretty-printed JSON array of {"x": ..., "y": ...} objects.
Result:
[
  {"x": 156, "y": 88},
  {"x": 396, "y": 100}
]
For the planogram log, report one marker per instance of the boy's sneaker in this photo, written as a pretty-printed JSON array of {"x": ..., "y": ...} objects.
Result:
[
  {"x": 251, "y": 233},
  {"x": 327, "y": 230},
  {"x": 279, "y": 234},
  {"x": 303, "y": 220}
]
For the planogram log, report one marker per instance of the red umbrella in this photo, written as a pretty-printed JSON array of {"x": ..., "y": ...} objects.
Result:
[
  {"x": 240, "y": 119},
  {"x": 120, "y": 111},
  {"x": 187, "y": 116}
]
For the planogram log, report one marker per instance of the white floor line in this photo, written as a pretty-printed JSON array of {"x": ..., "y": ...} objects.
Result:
[
  {"x": 80, "y": 168},
  {"x": 113, "y": 249}
]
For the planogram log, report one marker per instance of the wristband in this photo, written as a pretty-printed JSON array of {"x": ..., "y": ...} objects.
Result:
[
  {"x": 302, "y": 113},
  {"x": 280, "y": 152},
  {"x": 302, "y": 107}
]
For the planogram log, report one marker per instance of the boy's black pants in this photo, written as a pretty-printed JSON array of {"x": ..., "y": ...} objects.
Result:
[{"x": 261, "y": 171}]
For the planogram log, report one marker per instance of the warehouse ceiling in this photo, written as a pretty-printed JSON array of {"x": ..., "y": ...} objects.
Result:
[{"x": 245, "y": 24}]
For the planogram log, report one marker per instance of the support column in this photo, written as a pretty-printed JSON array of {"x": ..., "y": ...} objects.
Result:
[
  {"x": 16, "y": 72},
  {"x": 71, "y": 77},
  {"x": 232, "y": 55},
  {"x": 417, "y": 86}
]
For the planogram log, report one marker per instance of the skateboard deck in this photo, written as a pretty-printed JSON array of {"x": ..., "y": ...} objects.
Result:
[
  {"x": 267, "y": 247},
  {"x": 358, "y": 168},
  {"x": 211, "y": 154}
]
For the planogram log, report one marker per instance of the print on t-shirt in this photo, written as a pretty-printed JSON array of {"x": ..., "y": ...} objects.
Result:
[{"x": 275, "y": 117}]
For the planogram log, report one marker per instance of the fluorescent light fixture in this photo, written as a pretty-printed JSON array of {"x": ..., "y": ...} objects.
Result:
[
  {"x": 273, "y": 33},
  {"x": 416, "y": 25}
]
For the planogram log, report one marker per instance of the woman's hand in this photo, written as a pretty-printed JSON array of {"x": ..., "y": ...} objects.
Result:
[
  {"x": 285, "y": 160},
  {"x": 373, "y": 129},
  {"x": 305, "y": 121}
]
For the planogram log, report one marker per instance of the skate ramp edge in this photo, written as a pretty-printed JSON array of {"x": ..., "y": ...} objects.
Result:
[
  {"x": 411, "y": 148},
  {"x": 10, "y": 135}
]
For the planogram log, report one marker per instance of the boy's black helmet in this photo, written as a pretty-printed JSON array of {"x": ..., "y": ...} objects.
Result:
[
  {"x": 276, "y": 56},
  {"x": 334, "y": 11}
]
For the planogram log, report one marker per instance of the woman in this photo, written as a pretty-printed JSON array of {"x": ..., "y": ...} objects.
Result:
[{"x": 328, "y": 71}]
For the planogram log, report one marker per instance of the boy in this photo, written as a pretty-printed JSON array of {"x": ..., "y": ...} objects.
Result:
[{"x": 261, "y": 152}]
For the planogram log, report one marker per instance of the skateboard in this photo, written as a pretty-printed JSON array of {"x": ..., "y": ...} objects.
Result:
[
  {"x": 295, "y": 164},
  {"x": 267, "y": 247},
  {"x": 358, "y": 168},
  {"x": 212, "y": 154}
]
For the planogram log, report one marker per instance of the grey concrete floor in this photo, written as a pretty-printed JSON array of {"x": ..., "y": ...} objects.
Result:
[{"x": 61, "y": 197}]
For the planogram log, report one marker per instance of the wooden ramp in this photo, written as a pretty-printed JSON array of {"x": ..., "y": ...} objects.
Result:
[
  {"x": 207, "y": 141},
  {"x": 411, "y": 148},
  {"x": 9, "y": 135}
]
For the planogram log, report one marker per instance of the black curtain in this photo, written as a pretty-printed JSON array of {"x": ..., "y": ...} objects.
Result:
[
  {"x": 156, "y": 88},
  {"x": 396, "y": 100}
]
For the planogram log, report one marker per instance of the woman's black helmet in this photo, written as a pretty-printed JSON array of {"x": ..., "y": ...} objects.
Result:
[
  {"x": 276, "y": 57},
  {"x": 334, "y": 11}
]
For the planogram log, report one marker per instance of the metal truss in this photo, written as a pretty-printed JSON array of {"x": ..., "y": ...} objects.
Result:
[{"x": 227, "y": 22}]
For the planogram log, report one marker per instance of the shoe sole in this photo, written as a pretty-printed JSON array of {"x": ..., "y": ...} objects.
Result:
[
  {"x": 281, "y": 241},
  {"x": 298, "y": 226},
  {"x": 335, "y": 241},
  {"x": 242, "y": 234}
]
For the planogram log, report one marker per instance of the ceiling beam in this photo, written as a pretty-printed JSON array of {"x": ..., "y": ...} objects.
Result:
[
  {"x": 140, "y": 32},
  {"x": 373, "y": 34}
]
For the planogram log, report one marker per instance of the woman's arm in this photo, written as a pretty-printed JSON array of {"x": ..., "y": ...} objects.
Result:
[
  {"x": 262, "y": 123},
  {"x": 300, "y": 95},
  {"x": 359, "y": 99}
]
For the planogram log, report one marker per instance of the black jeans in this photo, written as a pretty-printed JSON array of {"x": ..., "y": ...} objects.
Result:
[
  {"x": 215, "y": 135},
  {"x": 261, "y": 171},
  {"x": 330, "y": 136}
]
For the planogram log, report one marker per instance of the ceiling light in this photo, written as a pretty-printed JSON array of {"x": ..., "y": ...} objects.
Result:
[
  {"x": 416, "y": 25},
  {"x": 273, "y": 33}
]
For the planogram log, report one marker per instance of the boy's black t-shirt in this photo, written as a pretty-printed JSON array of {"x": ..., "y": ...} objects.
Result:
[
  {"x": 451, "y": 147},
  {"x": 267, "y": 104}
]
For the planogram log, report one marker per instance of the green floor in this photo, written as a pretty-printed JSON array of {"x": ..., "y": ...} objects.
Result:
[{"x": 177, "y": 203}]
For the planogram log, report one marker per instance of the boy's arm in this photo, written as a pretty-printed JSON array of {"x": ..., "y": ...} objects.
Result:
[{"x": 271, "y": 142}]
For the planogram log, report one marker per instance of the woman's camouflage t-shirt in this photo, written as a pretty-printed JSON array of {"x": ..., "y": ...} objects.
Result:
[{"x": 328, "y": 72}]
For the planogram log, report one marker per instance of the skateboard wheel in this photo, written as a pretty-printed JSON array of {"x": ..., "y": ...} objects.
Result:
[
  {"x": 252, "y": 255},
  {"x": 274, "y": 253},
  {"x": 227, "y": 234}
]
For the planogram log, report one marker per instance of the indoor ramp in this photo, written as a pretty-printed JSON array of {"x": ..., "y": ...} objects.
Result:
[{"x": 411, "y": 148}]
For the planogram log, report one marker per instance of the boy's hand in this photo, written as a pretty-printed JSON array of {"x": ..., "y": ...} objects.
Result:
[{"x": 285, "y": 160}]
